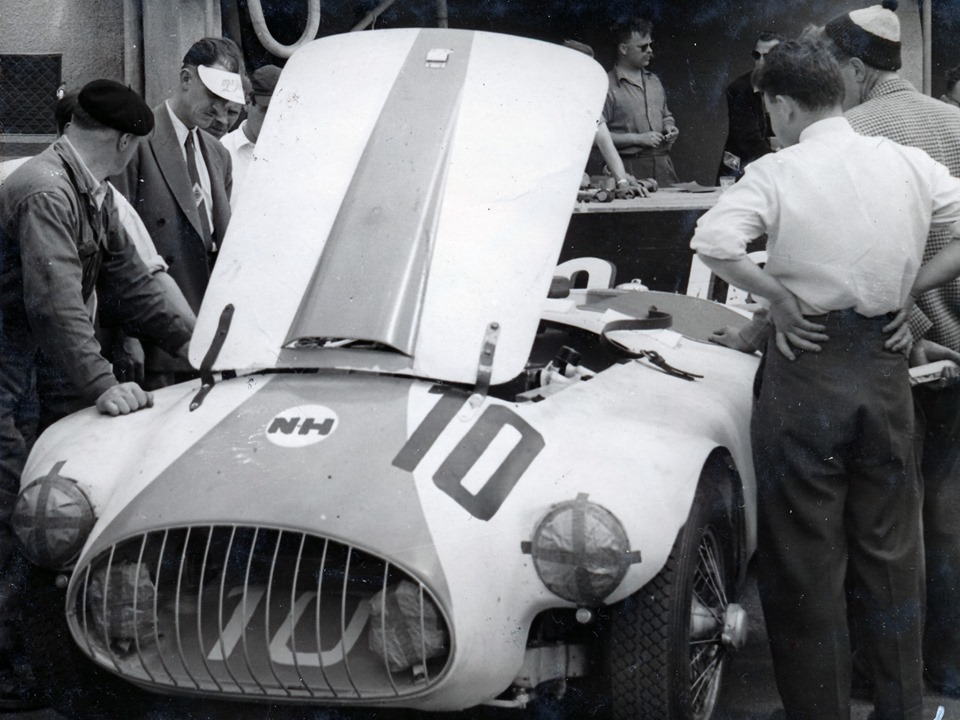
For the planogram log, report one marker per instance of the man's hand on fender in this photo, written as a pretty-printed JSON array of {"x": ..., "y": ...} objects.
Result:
[
  {"x": 730, "y": 337},
  {"x": 124, "y": 399}
]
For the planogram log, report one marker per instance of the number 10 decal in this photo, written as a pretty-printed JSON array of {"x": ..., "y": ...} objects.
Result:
[{"x": 449, "y": 476}]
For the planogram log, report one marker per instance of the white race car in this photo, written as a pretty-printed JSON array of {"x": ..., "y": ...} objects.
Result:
[{"x": 408, "y": 478}]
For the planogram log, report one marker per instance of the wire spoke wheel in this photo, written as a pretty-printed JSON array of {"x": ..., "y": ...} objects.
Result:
[{"x": 667, "y": 643}]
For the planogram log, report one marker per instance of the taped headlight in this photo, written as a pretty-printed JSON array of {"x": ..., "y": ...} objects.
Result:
[
  {"x": 581, "y": 551},
  {"x": 52, "y": 519}
]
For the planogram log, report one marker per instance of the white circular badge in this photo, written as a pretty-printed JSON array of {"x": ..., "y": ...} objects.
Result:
[{"x": 301, "y": 425}]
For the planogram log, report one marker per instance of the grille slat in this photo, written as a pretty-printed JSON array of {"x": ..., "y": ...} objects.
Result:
[
  {"x": 323, "y": 567},
  {"x": 203, "y": 649},
  {"x": 156, "y": 613},
  {"x": 266, "y": 625},
  {"x": 343, "y": 620},
  {"x": 136, "y": 604},
  {"x": 176, "y": 611},
  {"x": 243, "y": 631},
  {"x": 220, "y": 604},
  {"x": 383, "y": 626},
  {"x": 258, "y": 611},
  {"x": 294, "y": 618}
]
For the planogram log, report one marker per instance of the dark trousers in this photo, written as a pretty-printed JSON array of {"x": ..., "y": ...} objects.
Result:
[
  {"x": 838, "y": 493},
  {"x": 940, "y": 410}
]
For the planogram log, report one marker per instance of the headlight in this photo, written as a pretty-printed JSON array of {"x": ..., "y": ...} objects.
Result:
[
  {"x": 52, "y": 520},
  {"x": 581, "y": 551}
]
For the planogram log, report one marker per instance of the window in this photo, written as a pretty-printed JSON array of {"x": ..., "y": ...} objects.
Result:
[{"x": 28, "y": 94}]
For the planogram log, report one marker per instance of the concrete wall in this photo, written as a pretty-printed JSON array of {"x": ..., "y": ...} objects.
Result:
[
  {"x": 170, "y": 27},
  {"x": 88, "y": 33}
]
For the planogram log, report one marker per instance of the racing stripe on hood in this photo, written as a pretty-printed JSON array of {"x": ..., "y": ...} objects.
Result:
[
  {"x": 405, "y": 163},
  {"x": 309, "y": 453}
]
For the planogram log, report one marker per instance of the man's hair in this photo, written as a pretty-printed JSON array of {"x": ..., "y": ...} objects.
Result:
[
  {"x": 215, "y": 51},
  {"x": 953, "y": 75},
  {"x": 623, "y": 33},
  {"x": 66, "y": 106},
  {"x": 803, "y": 70},
  {"x": 768, "y": 36}
]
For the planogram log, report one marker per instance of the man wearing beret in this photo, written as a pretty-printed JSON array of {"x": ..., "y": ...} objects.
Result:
[
  {"x": 57, "y": 249},
  {"x": 180, "y": 181}
]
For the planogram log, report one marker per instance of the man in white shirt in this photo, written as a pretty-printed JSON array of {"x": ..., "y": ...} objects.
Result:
[
  {"x": 847, "y": 219},
  {"x": 240, "y": 142}
]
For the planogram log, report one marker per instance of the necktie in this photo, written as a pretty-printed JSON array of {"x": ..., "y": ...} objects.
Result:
[{"x": 198, "y": 192}]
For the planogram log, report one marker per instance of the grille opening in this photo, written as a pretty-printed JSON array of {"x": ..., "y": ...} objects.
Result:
[{"x": 253, "y": 610}]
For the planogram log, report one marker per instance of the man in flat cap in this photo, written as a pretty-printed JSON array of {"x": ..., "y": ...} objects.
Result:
[
  {"x": 180, "y": 181},
  {"x": 57, "y": 249},
  {"x": 240, "y": 143}
]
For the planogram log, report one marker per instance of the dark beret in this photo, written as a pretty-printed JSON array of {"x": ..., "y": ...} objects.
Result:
[{"x": 117, "y": 106}]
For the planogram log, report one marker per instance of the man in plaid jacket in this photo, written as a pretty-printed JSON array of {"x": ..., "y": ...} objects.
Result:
[{"x": 880, "y": 103}]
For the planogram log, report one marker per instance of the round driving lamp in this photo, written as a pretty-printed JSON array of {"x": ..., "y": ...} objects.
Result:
[
  {"x": 580, "y": 551},
  {"x": 52, "y": 519}
]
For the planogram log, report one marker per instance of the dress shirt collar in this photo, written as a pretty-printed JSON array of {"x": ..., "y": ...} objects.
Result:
[
  {"x": 826, "y": 127},
  {"x": 95, "y": 188},
  {"x": 621, "y": 76},
  {"x": 178, "y": 127}
]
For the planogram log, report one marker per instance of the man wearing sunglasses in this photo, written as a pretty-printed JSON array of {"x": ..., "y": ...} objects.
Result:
[
  {"x": 748, "y": 129},
  {"x": 636, "y": 112}
]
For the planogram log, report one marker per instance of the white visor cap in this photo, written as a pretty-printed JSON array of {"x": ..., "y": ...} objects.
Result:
[{"x": 222, "y": 83}]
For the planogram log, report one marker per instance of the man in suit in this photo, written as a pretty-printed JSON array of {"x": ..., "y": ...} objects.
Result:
[
  {"x": 748, "y": 134},
  {"x": 180, "y": 181}
]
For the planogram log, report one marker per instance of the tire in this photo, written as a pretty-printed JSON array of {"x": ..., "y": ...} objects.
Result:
[
  {"x": 659, "y": 665},
  {"x": 70, "y": 682}
]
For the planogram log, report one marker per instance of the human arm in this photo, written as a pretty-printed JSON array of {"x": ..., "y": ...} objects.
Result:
[
  {"x": 748, "y": 339},
  {"x": 147, "y": 306},
  {"x": 925, "y": 352},
  {"x": 53, "y": 236},
  {"x": 793, "y": 330}
]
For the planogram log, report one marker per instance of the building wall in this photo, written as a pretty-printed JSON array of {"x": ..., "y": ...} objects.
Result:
[{"x": 88, "y": 33}]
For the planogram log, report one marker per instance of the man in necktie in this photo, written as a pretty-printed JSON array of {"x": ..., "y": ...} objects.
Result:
[{"x": 180, "y": 181}]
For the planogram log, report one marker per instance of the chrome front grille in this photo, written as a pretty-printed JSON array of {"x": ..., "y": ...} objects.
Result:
[{"x": 256, "y": 611}]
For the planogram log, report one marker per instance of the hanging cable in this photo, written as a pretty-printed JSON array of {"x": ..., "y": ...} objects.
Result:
[{"x": 270, "y": 43}]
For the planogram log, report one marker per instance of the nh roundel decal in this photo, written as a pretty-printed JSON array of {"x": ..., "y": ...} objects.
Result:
[{"x": 301, "y": 426}]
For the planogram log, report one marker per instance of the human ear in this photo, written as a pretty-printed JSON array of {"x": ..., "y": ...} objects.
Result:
[{"x": 859, "y": 69}]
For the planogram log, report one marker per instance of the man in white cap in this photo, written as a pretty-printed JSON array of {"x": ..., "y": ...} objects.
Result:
[
  {"x": 180, "y": 181},
  {"x": 838, "y": 493},
  {"x": 879, "y": 103},
  {"x": 240, "y": 142}
]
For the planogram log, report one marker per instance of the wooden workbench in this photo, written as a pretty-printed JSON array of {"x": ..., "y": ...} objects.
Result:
[
  {"x": 660, "y": 201},
  {"x": 646, "y": 238}
]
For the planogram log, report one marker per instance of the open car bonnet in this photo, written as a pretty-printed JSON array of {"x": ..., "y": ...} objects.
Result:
[{"x": 406, "y": 206}]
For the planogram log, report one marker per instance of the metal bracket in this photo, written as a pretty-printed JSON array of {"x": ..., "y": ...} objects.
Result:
[
  {"x": 485, "y": 365},
  {"x": 206, "y": 366}
]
